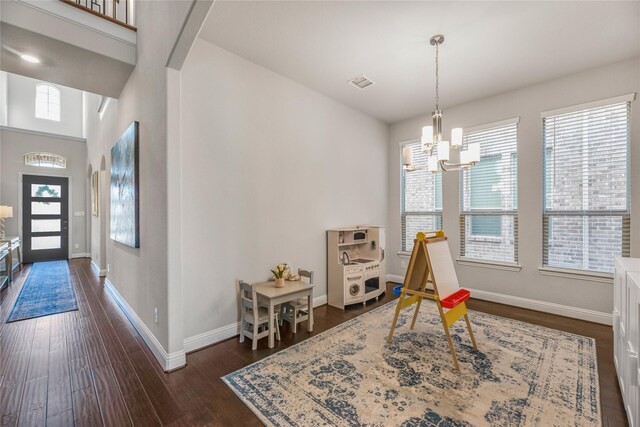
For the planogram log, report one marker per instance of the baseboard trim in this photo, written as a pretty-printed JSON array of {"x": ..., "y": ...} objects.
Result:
[
  {"x": 321, "y": 300},
  {"x": 205, "y": 339},
  {"x": 80, "y": 255},
  {"x": 395, "y": 278},
  {"x": 96, "y": 269},
  {"x": 208, "y": 338},
  {"x": 168, "y": 362},
  {"x": 544, "y": 306}
]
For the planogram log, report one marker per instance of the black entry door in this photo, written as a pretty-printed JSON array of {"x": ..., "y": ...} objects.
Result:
[{"x": 45, "y": 218}]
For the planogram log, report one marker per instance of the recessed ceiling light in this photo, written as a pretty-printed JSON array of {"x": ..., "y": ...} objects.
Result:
[{"x": 30, "y": 58}]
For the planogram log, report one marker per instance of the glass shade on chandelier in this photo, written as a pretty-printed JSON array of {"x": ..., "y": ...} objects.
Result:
[
  {"x": 441, "y": 161},
  {"x": 407, "y": 159},
  {"x": 456, "y": 137},
  {"x": 427, "y": 137}
]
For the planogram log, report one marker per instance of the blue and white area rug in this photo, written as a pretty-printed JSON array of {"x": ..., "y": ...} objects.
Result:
[
  {"x": 523, "y": 375},
  {"x": 48, "y": 290}
]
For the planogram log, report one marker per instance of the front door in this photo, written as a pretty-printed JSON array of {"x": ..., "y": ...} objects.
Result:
[{"x": 45, "y": 218}]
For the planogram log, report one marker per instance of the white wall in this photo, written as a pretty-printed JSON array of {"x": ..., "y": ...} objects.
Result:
[
  {"x": 267, "y": 166},
  {"x": 21, "y": 101},
  {"x": 13, "y": 146},
  {"x": 140, "y": 275},
  {"x": 528, "y": 103},
  {"x": 97, "y": 162},
  {"x": 4, "y": 85}
]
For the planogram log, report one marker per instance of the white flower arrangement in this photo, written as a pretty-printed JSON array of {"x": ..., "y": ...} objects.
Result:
[{"x": 278, "y": 272}]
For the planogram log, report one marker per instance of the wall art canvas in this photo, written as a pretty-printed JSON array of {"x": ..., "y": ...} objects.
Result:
[
  {"x": 94, "y": 193},
  {"x": 125, "y": 209}
]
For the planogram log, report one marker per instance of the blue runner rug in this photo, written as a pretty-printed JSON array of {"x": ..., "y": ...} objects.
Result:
[{"x": 47, "y": 291}]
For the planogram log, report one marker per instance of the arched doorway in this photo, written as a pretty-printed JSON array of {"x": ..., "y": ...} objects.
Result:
[{"x": 98, "y": 200}]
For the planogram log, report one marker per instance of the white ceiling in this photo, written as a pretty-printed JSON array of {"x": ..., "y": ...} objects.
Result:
[{"x": 490, "y": 47}]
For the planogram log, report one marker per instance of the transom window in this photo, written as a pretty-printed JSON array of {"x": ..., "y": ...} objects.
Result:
[
  {"x": 489, "y": 190},
  {"x": 47, "y": 102},
  {"x": 586, "y": 219},
  {"x": 46, "y": 160},
  {"x": 421, "y": 208}
]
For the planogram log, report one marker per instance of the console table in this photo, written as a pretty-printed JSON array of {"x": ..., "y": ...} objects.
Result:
[{"x": 14, "y": 255}]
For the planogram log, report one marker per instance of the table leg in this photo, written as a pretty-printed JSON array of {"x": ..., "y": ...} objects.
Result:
[
  {"x": 310, "y": 320},
  {"x": 271, "y": 329},
  {"x": 19, "y": 257},
  {"x": 10, "y": 256}
]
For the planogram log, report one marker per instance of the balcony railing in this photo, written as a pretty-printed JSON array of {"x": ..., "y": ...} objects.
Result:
[{"x": 119, "y": 12}]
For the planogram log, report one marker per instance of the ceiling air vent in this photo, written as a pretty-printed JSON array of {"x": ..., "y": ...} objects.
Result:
[{"x": 361, "y": 82}]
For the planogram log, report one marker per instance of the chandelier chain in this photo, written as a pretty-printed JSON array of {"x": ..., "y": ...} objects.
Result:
[{"x": 437, "y": 77}]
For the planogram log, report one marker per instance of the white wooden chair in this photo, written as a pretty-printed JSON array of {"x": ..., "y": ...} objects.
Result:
[
  {"x": 297, "y": 311},
  {"x": 254, "y": 322}
]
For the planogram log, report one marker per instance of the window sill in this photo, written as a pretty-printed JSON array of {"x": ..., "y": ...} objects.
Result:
[
  {"x": 496, "y": 265},
  {"x": 577, "y": 274}
]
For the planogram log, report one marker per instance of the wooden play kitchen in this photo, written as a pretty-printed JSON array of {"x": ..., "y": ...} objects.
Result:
[
  {"x": 431, "y": 268},
  {"x": 355, "y": 265}
]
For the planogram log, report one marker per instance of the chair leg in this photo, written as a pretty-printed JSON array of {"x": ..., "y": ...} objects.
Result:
[
  {"x": 254, "y": 344},
  {"x": 277, "y": 322},
  {"x": 294, "y": 320},
  {"x": 242, "y": 330}
]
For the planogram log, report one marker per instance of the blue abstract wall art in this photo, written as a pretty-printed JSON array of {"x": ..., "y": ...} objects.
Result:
[{"x": 125, "y": 209}]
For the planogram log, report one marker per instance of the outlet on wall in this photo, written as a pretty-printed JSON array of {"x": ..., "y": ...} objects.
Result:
[
  {"x": 403, "y": 264},
  {"x": 76, "y": 246},
  {"x": 108, "y": 268},
  {"x": 155, "y": 314}
]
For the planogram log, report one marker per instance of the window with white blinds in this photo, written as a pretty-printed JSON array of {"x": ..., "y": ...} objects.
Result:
[
  {"x": 586, "y": 188},
  {"x": 489, "y": 192},
  {"x": 421, "y": 208}
]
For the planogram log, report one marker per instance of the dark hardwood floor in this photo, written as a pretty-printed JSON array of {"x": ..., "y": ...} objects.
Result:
[{"x": 90, "y": 367}]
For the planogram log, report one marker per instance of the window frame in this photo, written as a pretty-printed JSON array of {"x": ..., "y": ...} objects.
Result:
[
  {"x": 471, "y": 212},
  {"x": 436, "y": 213},
  {"x": 48, "y": 111},
  {"x": 585, "y": 214}
]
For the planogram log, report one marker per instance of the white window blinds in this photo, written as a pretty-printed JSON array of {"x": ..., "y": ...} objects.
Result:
[
  {"x": 586, "y": 203},
  {"x": 421, "y": 198},
  {"x": 489, "y": 192}
]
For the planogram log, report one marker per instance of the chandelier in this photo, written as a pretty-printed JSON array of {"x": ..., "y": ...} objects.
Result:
[{"x": 432, "y": 137}]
